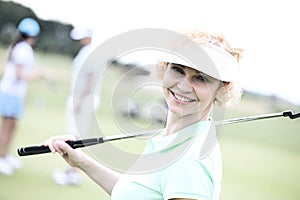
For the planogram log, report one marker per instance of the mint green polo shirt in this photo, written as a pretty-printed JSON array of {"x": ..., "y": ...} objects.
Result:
[{"x": 182, "y": 173}]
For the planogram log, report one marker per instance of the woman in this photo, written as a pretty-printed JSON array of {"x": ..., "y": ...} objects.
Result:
[
  {"x": 13, "y": 88},
  {"x": 177, "y": 170}
]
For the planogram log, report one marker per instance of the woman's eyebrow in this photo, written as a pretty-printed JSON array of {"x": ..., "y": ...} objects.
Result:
[
  {"x": 201, "y": 73},
  {"x": 196, "y": 71},
  {"x": 179, "y": 65}
]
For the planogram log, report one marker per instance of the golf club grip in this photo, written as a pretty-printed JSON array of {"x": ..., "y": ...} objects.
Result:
[{"x": 33, "y": 150}]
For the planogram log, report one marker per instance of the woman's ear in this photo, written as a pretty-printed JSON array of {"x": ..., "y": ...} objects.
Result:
[{"x": 221, "y": 94}]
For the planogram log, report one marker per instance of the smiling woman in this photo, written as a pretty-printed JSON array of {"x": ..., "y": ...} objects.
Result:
[
  {"x": 173, "y": 165},
  {"x": 188, "y": 91},
  {"x": 229, "y": 92}
]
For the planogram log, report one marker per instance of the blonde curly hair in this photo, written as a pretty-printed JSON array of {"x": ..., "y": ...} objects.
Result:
[
  {"x": 203, "y": 38},
  {"x": 229, "y": 93}
]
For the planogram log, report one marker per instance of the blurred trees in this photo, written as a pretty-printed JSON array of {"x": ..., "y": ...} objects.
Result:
[{"x": 54, "y": 36}]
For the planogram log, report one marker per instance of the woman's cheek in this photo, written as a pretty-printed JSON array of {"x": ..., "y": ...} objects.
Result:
[{"x": 168, "y": 81}]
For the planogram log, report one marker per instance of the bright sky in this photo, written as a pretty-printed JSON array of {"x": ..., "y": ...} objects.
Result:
[{"x": 266, "y": 29}]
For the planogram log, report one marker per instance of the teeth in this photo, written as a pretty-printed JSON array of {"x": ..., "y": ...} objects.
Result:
[{"x": 181, "y": 98}]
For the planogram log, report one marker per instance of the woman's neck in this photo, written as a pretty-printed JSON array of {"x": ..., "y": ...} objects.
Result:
[
  {"x": 176, "y": 122},
  {"x": 30, "y": 40}
]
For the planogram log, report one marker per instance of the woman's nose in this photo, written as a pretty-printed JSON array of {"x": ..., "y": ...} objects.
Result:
[{"x": 184, "y": 85}]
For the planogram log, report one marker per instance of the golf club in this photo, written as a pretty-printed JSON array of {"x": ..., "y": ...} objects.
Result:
[{"x": 32, "y": 150}]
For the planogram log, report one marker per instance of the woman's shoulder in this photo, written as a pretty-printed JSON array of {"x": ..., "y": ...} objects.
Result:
[{"x": 22, "y": 46}]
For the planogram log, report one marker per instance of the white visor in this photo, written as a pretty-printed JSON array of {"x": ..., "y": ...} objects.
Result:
[{"x": 212, "y": 60}]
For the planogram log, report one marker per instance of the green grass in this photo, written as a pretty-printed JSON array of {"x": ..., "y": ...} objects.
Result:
[{"x": 261, "y": 159}]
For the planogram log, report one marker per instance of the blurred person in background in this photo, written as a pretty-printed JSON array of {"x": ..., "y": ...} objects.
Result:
[
  {"x": 190, "y": 92},
  {"x": 17, "y": 72},
  {"x": 78, "y": 99}
]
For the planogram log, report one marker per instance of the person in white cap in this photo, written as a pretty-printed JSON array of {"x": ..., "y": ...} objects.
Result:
[
  {"x": 174, "y": 164},
  {"x": 78, "y": 99},
  {"x": 18, "y": 71}
]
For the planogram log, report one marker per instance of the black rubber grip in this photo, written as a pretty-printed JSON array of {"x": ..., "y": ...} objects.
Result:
[
  {"x": 33, "y": 150},
  {"x": 26, "y": 151}
]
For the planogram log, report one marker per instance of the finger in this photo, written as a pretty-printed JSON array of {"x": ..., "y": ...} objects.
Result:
[
  {"x": 62, "y": 147},
  {"x": 50, "y": 142}
]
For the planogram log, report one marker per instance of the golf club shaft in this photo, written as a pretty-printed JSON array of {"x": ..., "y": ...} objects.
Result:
[
  {"x": 32, "y": 150},
  {"x": 250, "y": 118}
]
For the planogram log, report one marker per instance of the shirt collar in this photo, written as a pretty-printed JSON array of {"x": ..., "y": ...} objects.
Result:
[{"x": 164, "y": 142}]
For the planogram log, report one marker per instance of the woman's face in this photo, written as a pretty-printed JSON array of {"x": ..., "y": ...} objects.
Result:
[
  {"x": 31, "y": 40},
  {"x": 188, "y": 91}
]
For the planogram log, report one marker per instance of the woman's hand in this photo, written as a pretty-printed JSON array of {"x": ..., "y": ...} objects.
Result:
[
  {"x": 102, "y": 175},
  {"x": 75, "y": 157}
]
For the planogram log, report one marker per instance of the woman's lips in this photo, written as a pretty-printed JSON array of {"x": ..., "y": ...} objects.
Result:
[{"x": 181, "y": 99}]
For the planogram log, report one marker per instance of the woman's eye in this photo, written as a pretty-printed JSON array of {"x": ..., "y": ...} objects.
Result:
[
  {"x": 201, "y": 79},
  {"x": 178, "y": 70}
]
